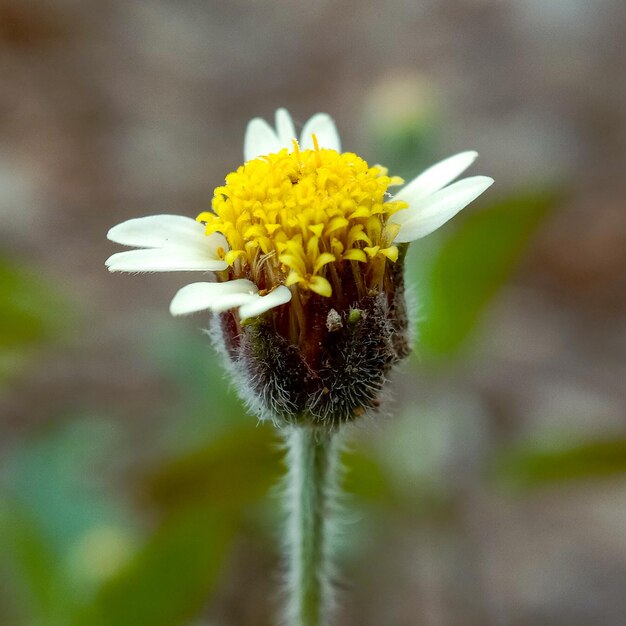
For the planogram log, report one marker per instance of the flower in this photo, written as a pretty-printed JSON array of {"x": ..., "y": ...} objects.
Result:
[{"x": 302, "y": 222}]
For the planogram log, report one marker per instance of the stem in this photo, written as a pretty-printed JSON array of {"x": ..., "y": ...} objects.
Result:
[{"x": 312, "y": 463}]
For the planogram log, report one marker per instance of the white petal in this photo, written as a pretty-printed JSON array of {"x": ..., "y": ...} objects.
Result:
[
  {"x": 285, "y": 129},
  {"x": 260, "y": 140},
  {"x": 323, "y": 127},
  {"x": 437, "y": 209},
  {"x": 213, "y": 242},
  {"x": 214, "y": 296},
  {"x": 158, "y": 231},
  {"x": 261, "y": 304},
  {"x": 436, "y": 177},
  {"x": 164, "y": 260}
]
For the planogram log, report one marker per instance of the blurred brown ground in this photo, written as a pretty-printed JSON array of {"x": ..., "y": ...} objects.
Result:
[{"x": 110, "y": 110}]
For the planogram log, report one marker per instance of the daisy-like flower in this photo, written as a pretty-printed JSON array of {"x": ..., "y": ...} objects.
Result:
[{"x": 305, "y": 246}]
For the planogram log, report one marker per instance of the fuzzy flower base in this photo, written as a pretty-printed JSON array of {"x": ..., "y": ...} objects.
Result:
[{"x": 335, "y": 377}]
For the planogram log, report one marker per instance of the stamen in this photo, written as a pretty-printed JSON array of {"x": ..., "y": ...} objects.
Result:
[
  {"x": 306, "y": 218},
  {"x": 316, "y": 147}
]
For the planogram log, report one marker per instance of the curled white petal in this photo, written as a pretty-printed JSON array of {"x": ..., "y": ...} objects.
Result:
[
  {"x": 216, "y": 297},
  {"x": 164, "y": 260},
  {"x": 158, "y": 231},
  {"x": 261, "y": 304},
  {"x": 435, "y": 210},
  {"x": 323, "y": 127},
  {"x": 285, "y": 129},
  {"x": 260, "y": 139},
  {"x": 436, "y": 177}
]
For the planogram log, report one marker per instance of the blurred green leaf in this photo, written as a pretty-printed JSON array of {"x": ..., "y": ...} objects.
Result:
[
  {"x": 33, "y": 568},
  {"x": 469, "y": 266},
  {"x": 238, "y": 467},
  {"x": 529, "y": 467},
  {"x": 406, "y": 148},
  {"x": 57, "y": 477},
  {"x": 31, "y": 311},
  {"x": 171, "y": 578},
  {"x": 209, "y": 407},
  {"x": 365, "y": 478}
]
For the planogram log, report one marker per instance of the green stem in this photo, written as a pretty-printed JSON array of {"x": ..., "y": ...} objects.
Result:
[{"x": 312, "y": 463}]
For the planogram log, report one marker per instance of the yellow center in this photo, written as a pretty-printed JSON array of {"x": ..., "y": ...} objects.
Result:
[{"x": 296, "y": 218}]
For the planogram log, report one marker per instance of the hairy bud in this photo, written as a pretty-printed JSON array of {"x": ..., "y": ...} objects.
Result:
[{"x": 333, "y": 367}]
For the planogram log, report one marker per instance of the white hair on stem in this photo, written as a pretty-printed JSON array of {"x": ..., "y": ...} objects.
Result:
[{"x": 311, "y": 500}]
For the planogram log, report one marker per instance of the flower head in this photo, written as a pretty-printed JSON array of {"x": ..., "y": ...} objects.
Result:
[{"x": 306, "y": 244}]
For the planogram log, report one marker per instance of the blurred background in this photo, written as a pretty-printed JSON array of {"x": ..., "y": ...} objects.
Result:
[{"x": 134, "y": 489}]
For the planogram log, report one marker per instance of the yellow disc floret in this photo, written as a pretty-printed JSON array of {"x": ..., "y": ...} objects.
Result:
[{"x": 298, "y": 217}]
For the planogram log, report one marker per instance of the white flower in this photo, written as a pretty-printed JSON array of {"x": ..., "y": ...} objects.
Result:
[
  {"x": 262, "y": 139},
  {"x": 168, "y": 243},
  {"x": 431, "y": 203},
  {"x": 220, "y": 297},
  {"x": 171, "y": 243}
]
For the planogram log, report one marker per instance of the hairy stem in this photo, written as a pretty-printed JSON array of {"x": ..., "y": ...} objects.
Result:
[{"x": 312, "y": 467}]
